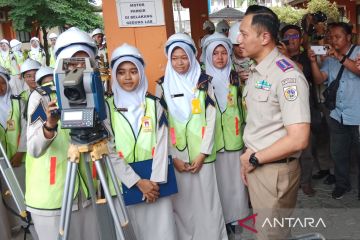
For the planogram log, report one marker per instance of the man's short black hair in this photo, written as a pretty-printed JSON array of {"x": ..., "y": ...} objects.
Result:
[
  {"x": 345, "y": 26},
  {"x": 288, "y": 27},
  {"x": 264, "y": 18}
]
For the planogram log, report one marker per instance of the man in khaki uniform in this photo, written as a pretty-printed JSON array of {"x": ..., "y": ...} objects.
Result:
[{"x": 277, "y": 99}]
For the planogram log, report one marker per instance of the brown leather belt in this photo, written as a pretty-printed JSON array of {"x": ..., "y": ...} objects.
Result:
[{"x": 285, "y": 160}]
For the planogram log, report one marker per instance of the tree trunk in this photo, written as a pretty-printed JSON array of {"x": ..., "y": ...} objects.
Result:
[{"x": 46, "y": 45}]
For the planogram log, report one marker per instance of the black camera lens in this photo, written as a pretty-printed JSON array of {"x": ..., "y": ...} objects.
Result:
[{"x": 72, "y": 94}]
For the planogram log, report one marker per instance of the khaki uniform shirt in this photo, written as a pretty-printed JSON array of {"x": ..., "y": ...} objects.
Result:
[{"x": 276, "y": 95}]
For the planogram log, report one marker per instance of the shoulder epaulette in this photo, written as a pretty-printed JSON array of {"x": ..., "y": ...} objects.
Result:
[
  {"x": 46, "y": 90},
  {"x": 234, "y": 78},
  {"x": 149, "y": 95},
  {"x": 160, "y": 81},
  {"x": 17, "y": 97},
  {"x": 284, "y": 65},
  {"x": 204, "y": 81}
]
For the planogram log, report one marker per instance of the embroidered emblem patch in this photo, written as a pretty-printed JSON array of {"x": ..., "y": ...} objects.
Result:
[
  {"x": 290, "y": 93},
  {"x": 263, "y": 84},
  {"x": 284, "y": 65},
  {"x": 288, "y": 80},
  {"x": 38, "y": 114}
]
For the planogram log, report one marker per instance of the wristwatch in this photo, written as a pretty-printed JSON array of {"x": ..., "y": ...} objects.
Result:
[
  {"x": 50, "y": 129},
  {"x": 254, "y": 161}
]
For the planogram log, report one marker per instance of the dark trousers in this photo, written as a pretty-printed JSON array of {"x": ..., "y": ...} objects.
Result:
[{"x": 342, "y": 138}]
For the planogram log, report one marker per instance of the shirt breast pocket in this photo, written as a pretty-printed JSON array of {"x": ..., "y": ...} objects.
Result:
[{"x": 261, "y": 96}]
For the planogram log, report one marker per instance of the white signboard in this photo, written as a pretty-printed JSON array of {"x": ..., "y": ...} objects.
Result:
[{"x": 140, "y": 13}]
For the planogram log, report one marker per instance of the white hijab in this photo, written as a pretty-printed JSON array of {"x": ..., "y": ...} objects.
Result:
[
  {"x": 5, "y": 103},
  {"x": 221, "y": 77},
  {"x": 133, "y": 101},
  {"x": 34, "y": 50},
  {"x": 5, "y": 53},
  {"x": 175, "y": 83}
]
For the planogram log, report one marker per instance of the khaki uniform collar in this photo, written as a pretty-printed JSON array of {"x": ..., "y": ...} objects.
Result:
[{"x": 264, "y": 65}]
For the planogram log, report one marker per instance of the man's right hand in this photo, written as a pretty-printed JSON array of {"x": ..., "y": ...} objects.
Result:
[
  {"x": 311, "y": 55},
  {"x": 149, "y": 189}
]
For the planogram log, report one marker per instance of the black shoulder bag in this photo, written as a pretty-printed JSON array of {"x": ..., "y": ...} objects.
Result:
[{"x": 331, "y": 91}]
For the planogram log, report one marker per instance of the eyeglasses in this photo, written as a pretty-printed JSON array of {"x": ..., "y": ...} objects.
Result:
[{"x": 291, "y": 36}]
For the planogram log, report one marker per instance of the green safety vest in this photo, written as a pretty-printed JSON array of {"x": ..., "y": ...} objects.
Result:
[
  {"x": 229, "y": 123},
  {"x": 45, "y": 175},
  {"x": 189, "y": 135},
  {"x": 131, "y": 147},
  {"x": 37, "y": 57},
  {"x": 10, "y": 134},
  {"x": 7, "y": 63},
  {"x": 19, "y": 58},
  {"x": 52, "y": 57}
]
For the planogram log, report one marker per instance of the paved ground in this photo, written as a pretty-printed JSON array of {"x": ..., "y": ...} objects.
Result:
[{"x": 341, "y": 217}]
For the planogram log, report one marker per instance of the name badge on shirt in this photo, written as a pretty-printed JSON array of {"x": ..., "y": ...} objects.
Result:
[
  {"x": 230, "y": 100},
  {"x": 195, "y": 106},
  {"x": 146, "y": 124},
  {"x": 10, "y": 125}
]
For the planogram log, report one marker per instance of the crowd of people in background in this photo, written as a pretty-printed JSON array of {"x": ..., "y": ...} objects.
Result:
[{"x": 247, "y": 126}]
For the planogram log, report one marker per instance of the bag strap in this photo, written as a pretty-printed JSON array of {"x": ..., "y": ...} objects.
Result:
[{"x": 342, "y": 66}]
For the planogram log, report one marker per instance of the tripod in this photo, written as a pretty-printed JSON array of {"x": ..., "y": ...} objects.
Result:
[
  {"x": 14, "y": 190},
  {"x": 95, "y": 152}
]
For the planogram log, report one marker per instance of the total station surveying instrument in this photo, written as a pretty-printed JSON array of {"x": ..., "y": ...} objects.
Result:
[{"x": 80, "y": 96}]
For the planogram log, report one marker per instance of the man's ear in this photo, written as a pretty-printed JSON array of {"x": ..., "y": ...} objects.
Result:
[
  {"x": 348, "y": 37},
  {"x": 265, "y": 38}
]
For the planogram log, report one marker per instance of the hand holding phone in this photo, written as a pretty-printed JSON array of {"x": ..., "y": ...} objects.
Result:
[{"x": 320, "y": 50}]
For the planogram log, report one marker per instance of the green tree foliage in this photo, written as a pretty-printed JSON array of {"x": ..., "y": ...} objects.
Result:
[
  {"x": 288, "y": 14},
  {"x": 330, "y": 9},
  {"x": 46, "y": 14}
]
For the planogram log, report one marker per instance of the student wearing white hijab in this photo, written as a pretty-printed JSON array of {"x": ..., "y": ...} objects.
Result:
[
  {"x": 13, "y": 140},
  {"x": 7, "y": 59},
  {"x": 16, "y": 49},
  {"x": 46, "y": 141},
  {"x": 226, "y": 82},
  {"x": 141, "y": 133},
  {"x": 192, "y": 111},
  {"x": 36, "y": 52}
]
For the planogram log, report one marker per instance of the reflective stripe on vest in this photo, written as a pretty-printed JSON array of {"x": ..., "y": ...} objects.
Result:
[
  {"x": 128, "y": 146},
  {"x": 45, "y": 175},
  {"x": 229, "y": 124},
  {"x": 189, "y": 135},
  {"x": 10, "y": 134}
]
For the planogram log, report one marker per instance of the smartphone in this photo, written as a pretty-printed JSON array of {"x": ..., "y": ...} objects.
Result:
[
  {"x": 285, "y": 41},
  {"x": 320, "y": 50}
]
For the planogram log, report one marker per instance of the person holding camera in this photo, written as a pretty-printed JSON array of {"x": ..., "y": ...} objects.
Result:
[
  {"x": 342, "y": 76},
  {"x": 140, "y": 128},
  {"x": 277, "y": 124},
  {"x": 46, "y": 161}
]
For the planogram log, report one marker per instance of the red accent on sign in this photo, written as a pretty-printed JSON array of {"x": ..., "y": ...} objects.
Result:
[
  {"x": 52, "y": 170},
  {"x": 120, "y": 154},
  {"x": 153, "y": 151},
  {"x": 237, "y": 130},
  {"x": 202, "y": 132},
  {"x": 93, "y": 171},
  {"x": 252, "y": 228},
  {"x": 173, "y": 136}
]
